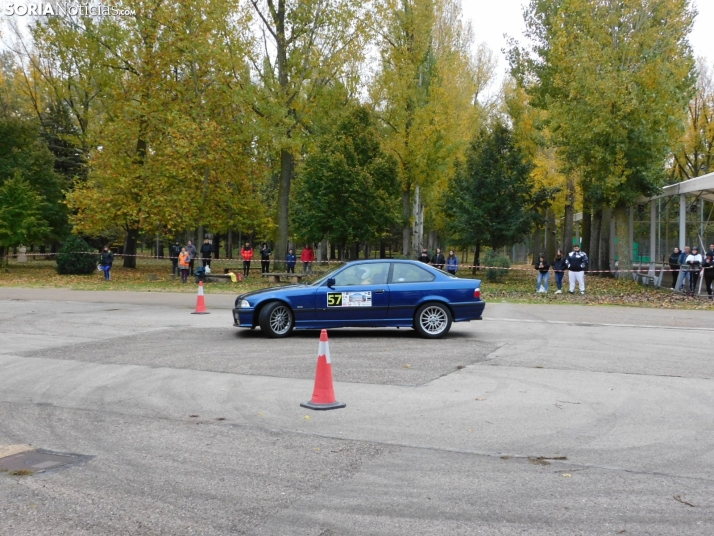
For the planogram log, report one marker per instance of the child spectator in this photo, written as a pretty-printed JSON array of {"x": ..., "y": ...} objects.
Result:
[
  {"x": 291, "y": 260},
  {"x": 559, "y": 267},
  {"x": 543, "y": 267},
  {"x": 184, "y": 263},
  {"x": 106, "y": 263}
]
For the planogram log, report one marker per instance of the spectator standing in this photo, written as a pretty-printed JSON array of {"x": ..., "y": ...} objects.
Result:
[
  {"x": 184, "y": 263},
  {"x": 694, "y": 261},
  {"x": 174, "y": 252},
  {"x": 674, "y": 265},
  {"x": 206, "y": 251},
  {"x": 247, "y": 254},
  {"x": 708, "y": 266},
  {"x": 543, "y": 267},
  {"x": 686, "y": 276},
  {"x": 191, "y": 250},
  {"x": 577, "y": 263},
  {"x": 265, "y": 253},
  {"x": 452, "y": 263},
  {"x": 106, "y": 263},
  {"x": 424, "y": 256},
  {"x": 291, "y": 260},
  {"x": 307, "y": 257},
  {"x": 711, "y": 251},
  {"x": 559, "y": 267},
  {"x": 438, "y": 259}
]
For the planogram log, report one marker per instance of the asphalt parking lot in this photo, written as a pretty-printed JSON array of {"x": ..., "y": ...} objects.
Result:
[{"x": 537, "y": 420}]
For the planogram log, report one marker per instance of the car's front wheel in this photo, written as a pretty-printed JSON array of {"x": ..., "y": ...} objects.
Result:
[
  {"x": 432, "y": 320},
  {"x": 276, "y": 320}
]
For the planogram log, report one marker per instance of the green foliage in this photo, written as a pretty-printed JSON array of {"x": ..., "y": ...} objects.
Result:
[
  {"x": 23, "y": 151},
  {"x": 21, "y": 220},
  {"x": 489, "y": 200},
  {"x": 76, "y": 257},
  {"x": 348, "y": 189},
  {"x": 498, "y": 264}
]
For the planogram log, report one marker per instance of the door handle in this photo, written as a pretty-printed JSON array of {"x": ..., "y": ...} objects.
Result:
[{"x": 379, "y": 291}]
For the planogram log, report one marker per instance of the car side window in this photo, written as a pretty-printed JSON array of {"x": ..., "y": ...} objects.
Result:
[
  {"x": 408, "y": 273},
  {"x": 363, "y": 274}
]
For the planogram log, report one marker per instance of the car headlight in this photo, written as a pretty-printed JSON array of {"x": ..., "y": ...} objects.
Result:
[{"x": 244, "y": 304}]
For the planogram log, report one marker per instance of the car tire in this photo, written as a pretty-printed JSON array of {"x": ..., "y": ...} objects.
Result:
[
  {"x": 276, "y": 320},
  {"x": 432, "y": 320}
]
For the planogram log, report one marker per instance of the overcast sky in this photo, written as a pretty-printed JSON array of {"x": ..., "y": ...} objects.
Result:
[{"x": 493, "y": 18}]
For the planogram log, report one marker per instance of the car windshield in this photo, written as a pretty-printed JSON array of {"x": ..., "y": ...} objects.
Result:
[{"x": 330, "y": 270}]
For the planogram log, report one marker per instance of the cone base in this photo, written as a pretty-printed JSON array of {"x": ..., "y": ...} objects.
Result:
[
  {"x": 200, "y": 313},
  {"x": 333, "y": 405}
]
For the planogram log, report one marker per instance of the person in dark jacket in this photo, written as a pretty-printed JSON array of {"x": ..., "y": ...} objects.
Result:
[
  {"x": 711, "y": 251},
  {"x": 291, "y": 261},
  {"x": 191, "y": 250},
  {"x": 106, "y": 263},
  {"x": 174, "y": 252},
  {"x": 424, "y": 256},
  {"x": 206, "y": 252},
  {"x": 674, "y": 265},
  {"x": 265, "y": 253},
  {"x": 708, "y": 266},
  {"x": 438, "y": 259},
  {"x": 686, "y": 276},
  {"x": 577, "y": 263},
  {"x": 559, "y": 267},
  {"x": 452, "y": 263},
  {"x": 543, "y": 267}
]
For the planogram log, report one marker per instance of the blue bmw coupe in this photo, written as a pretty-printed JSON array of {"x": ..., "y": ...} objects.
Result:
[{"x": 370, "y": 293}]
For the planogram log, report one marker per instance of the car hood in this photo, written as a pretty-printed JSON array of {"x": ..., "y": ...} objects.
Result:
[{"x": 271, "y": 290}]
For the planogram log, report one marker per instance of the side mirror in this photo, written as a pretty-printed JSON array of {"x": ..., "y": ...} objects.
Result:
[{"x": 331, "y": 282}]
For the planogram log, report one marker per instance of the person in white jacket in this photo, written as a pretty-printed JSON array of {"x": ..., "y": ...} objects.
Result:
[{"x": 694, "y": 261}]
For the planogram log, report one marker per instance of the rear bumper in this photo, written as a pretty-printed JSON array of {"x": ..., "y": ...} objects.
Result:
[{"x": 464, "y": 312}]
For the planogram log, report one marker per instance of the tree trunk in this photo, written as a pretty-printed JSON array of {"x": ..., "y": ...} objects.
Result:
[
  {"x": 624, "y": 247},
  {"x": 550, "y": 237},
  {"x": 537, "y": 242},
  {"x": 407, "y": 228},
  {"x": 229, "y": 244},
  {"x": 605, "y": 241},
  {"x": 593, "y": 250},
  {"x": 477, "y": 258},
  {"x": 569, "y": 212},
  {"x": 286, "y": 176},
  {"x": 586, "y": 230},
  {"x": 216, "y": 245},
  {"x": 132, "y": 237},
  {"x": 332, "y": 252},
  {"x": 382, "y": 250}
]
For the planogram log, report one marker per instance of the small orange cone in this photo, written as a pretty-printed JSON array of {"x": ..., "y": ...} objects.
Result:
[
  {"x": 323, "y": 396},
  {"x": 200, "y": 302}
]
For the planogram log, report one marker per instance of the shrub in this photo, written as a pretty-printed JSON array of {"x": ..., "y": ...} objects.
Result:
[
  {"x": 499, "y": 263},
  {"x": 76, "y": 257}
]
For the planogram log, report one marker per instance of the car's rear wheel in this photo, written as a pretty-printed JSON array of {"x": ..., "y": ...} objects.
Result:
[
  {"x": 432, "y": 320},
  {"x": 276, "y": 320}
]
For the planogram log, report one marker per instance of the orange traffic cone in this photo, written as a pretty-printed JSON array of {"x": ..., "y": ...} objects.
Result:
[
  {"x": 200, "y": 302},
  {"x": 323, "y": 397}
]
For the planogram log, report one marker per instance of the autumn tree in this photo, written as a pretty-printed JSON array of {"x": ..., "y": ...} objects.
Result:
[
  {"x": 426, "y": 94},
  {"x": 303, "y": 47},
  {"x": 695, "y": 154},
  {"x": 615, "y": 77}
]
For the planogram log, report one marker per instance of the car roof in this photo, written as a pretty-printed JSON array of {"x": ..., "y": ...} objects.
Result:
[{"x": 372, "y": 261}]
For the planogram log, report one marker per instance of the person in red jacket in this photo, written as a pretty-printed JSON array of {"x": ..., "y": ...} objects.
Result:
[
  {"x": 307, "y": 257},
  {"x": 247, "y": 254}
]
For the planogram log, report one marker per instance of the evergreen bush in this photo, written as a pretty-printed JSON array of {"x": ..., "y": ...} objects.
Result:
[
  {"x": 498, "y": 263},
  {"x": 76, "y": 257}
]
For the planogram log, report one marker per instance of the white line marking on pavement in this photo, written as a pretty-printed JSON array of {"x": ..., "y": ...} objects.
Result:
[{"x": 587, "y": 324}]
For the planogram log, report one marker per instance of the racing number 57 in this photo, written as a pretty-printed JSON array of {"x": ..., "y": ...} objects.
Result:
[{"x": 334, "y": 299}]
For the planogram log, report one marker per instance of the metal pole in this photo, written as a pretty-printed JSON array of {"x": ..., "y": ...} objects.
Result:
[
  {"x": 653, "y": 235},
  {"x": 682, "y": 221}
]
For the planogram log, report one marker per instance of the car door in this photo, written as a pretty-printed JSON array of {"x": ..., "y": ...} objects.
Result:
[
  {"x": 360, "y": 295},
  {"x": 408, "y": 284}
]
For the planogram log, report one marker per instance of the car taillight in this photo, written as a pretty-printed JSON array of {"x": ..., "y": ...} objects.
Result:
[{"x": 477, "y": 293}]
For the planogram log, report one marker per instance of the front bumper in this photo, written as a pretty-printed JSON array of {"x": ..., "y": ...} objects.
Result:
[{"x": 243, "y": 318}]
